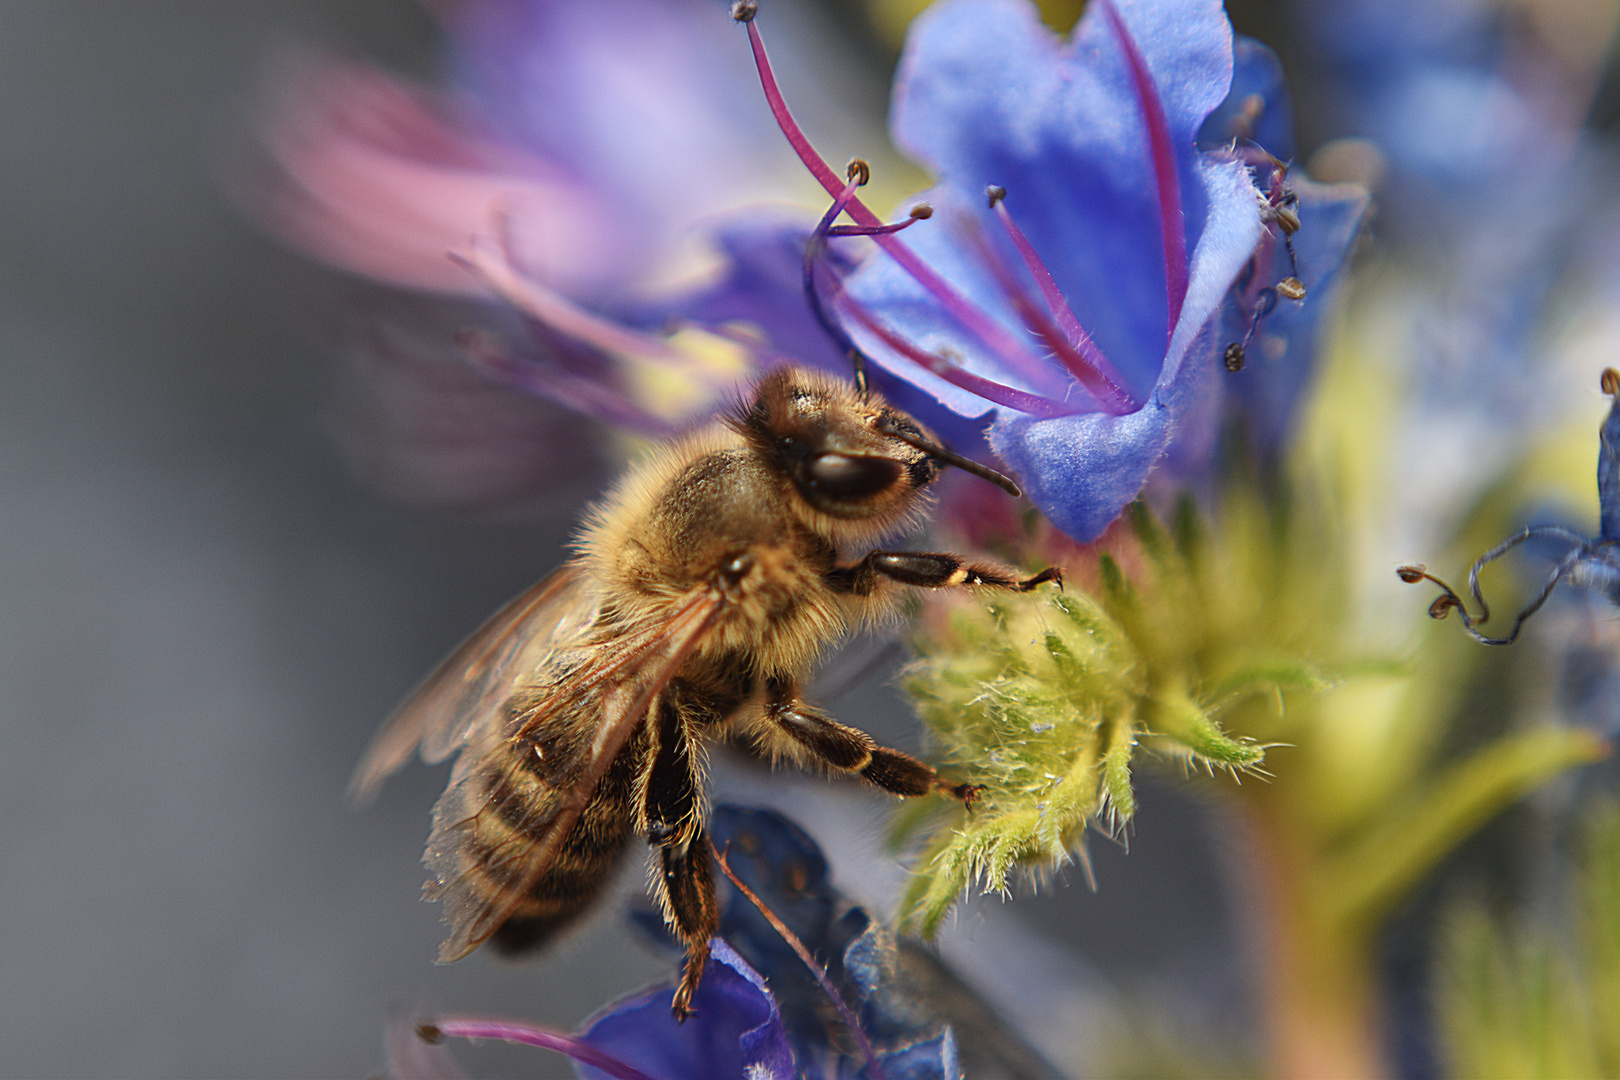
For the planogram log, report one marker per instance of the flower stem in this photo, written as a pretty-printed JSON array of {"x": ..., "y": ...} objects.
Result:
[{"x": 1317, "y": 979}]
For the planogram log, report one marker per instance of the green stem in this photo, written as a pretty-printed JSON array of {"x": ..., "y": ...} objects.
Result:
[{"x": 1317, "y": 983}]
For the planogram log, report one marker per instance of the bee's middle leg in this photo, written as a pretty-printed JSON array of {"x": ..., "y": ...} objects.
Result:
[
  {"x": 932, "y": 570},
  {"x": 684, "y": 884},
  {"x": 812, "y": 734}
]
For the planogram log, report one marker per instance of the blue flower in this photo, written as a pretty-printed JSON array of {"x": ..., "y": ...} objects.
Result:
[
  {"x": 1079, "y": 303},
  {"x": 909, "y": 1006},
  {"x": 1590, "y": 563},
  {"x": 760, "y": 1013}
]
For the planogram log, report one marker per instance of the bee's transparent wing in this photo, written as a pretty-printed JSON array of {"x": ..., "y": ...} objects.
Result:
[
  {"x": 463, "y": 698},
  {"x": 487, "y": 864}
]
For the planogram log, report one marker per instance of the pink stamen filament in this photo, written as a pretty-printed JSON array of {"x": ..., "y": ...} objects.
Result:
[
  {"x": 981, "y": 324},
  {"x": 841, "y": 201},
  {"x": 998, "y": 393},
  {"x": 1164, "y": 167},
  {"x": 561, "y": 314},
  {"x": 528, "y": 1035},
  {"x": 1067, "y": 339},
  {"x": 580, "y": 395},
  {"x": 1054, "y": 297},
  {"x": 872, "y": 230}
]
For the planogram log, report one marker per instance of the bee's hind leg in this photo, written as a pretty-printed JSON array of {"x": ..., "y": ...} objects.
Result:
[
  {"x": 805, "y": 733},
  {"x": 684, "y": 884},
  {"x": 687, "y": 885}
]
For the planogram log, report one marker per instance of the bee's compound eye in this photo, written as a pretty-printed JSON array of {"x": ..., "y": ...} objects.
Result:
[{"x": 844, "y": 476}]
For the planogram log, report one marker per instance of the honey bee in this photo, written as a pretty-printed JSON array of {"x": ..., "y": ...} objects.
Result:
[{"x": 706, "y": 585}]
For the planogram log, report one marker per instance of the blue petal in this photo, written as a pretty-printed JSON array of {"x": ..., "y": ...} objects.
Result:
[
  {"x": 1082, "y": 470},
  {"x": 899, "y": 303},
  {"x": 735, "y": 1032},
  {"x": 987, "y": 95}
]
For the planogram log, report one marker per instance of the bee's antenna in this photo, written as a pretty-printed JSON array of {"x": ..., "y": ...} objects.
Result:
[
  {"x": 951, "y": 457},
  {"x": 857, "y": 360}
]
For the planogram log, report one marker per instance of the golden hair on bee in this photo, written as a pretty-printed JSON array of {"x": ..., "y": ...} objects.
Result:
[{"x": 707, "y": 584}]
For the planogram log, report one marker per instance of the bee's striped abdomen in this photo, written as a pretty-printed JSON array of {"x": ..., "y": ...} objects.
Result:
[{"x": 525, "y": 803}]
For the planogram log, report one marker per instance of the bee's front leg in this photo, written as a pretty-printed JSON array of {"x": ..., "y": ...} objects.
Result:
[
  {"x": 812, "y": 735},
  {"x": 672, "y": 820},
  {"x": 931, "y": 570}
]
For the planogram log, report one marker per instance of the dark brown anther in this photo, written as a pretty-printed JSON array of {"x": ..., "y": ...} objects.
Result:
[
  {"x": 995, "y": 193},
  {"x": 1235, "y": 356},
  {"x": 1291, "y": 288},
  {"x": 1442, "y": 606},
  {"x": 744, "y": 10},
  {"x": 430, "y": 1034},
  {"x": 1410, "y": 574},
  {"x": 859, "y": 171},
  {"x": 1610, "y": 381},
  {"x": 1287, "y": 219},
  {"x": 922, "y": 212}
]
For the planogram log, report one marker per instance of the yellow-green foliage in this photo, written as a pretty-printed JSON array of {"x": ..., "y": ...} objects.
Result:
[
  {"x": 1045, "y": 699},
  {"x": 1208, "y": 643},
  {"x": 1539, "y": 1003}
]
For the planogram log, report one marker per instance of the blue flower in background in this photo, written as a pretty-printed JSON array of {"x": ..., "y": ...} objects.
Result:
[
  {"x": 1083, "y": 248},
  {"x": 1590, "y": 563},
  {"x": 921, "y": 1022},
  {"x": 760, "y": 1013}
]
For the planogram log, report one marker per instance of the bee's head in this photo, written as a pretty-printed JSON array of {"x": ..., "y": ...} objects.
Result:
[{"x": 851, "y": 457}]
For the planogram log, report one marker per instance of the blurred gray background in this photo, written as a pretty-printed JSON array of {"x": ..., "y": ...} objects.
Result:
[{"x": 205, "y": 617}]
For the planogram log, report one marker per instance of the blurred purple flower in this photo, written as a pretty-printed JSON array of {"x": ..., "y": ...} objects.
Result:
[
  {"x": 1080, "y": 302},
  {"x": 588, "y": 142},
  {"x": 563, "y": 178}
]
